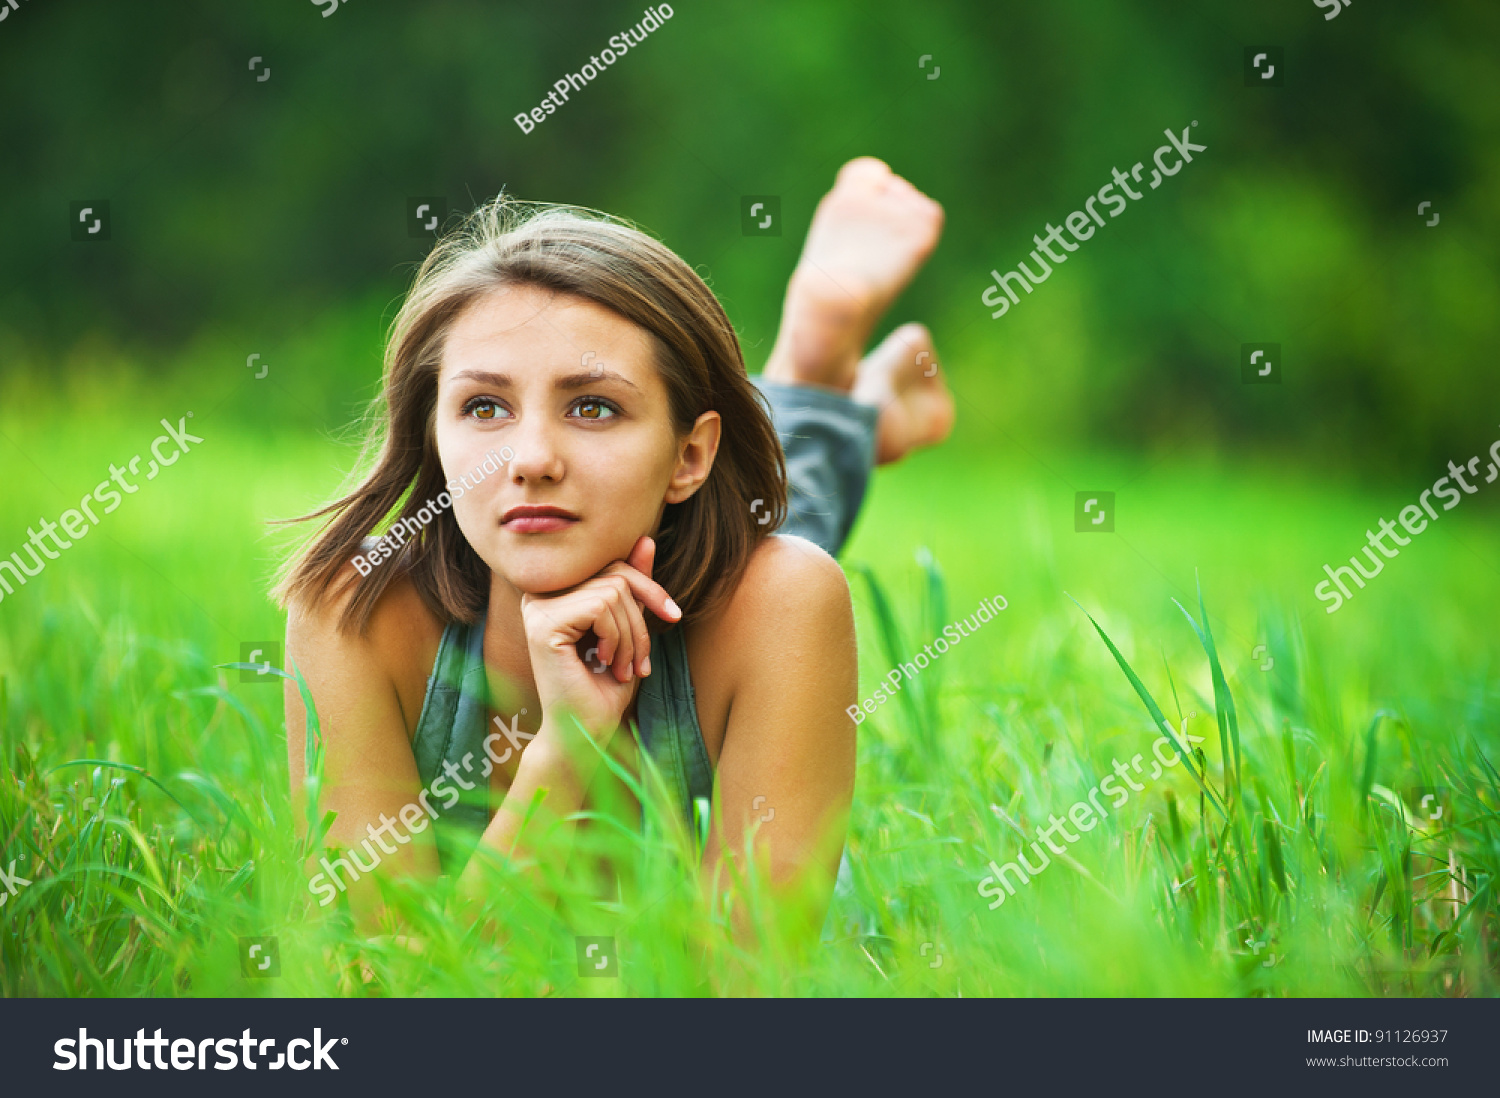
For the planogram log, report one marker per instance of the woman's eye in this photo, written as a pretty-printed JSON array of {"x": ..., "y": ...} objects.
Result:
[
  {"x": 591, "y": 408},
  {"x": 481, "y": 408}
]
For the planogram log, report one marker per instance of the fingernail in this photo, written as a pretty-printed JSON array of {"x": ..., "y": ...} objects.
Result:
[
  {"x": 674, "y": 609},
  {"x": 645, "y": 667}
]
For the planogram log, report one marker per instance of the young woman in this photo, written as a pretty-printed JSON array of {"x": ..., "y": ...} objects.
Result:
[{"x": 644, "y": 556}]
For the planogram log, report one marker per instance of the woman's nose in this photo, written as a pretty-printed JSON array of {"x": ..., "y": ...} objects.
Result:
[{"x": 538, "y": 457}]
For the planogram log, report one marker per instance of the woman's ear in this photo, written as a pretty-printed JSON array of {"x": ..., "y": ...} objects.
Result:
[{"x": 695, "y": 457}]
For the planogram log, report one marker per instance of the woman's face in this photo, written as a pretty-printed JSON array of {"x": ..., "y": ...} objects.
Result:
[{"x": 572, "y": 389}]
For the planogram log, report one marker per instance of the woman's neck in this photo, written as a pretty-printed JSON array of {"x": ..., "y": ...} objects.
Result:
[{"x": 507, "y": 658}]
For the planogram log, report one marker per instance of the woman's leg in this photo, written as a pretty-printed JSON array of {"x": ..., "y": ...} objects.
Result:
[
  {"x": 829, "y": 441},
  {"x": 838, "y": 415}
]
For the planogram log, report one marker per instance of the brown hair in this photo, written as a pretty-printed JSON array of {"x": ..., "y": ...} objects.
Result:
[{"x": 704, "y": 543}]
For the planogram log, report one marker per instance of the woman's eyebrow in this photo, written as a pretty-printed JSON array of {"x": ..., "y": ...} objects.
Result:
[
  {"x": 484, "y": 377},
  {"x": 592, "y": 377},
  {"x": 568, "y": 382}
]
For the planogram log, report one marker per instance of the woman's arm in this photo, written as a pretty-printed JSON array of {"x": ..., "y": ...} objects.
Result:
[
  {"x": 578, "y": 705},
  {"x": 786, "y": 766},
  {"x": 369, "y": 772}
]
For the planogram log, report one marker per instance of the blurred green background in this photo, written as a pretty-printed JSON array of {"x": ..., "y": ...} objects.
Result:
[{"x": 270, "y": 218}]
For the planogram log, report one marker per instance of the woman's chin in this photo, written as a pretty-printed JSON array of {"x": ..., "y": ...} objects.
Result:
[{"x": 546, "y": 580}]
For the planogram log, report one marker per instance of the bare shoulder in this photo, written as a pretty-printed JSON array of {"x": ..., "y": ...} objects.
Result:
[
  {"x": 789, "y": 619},
  {"x": 395, "y": 650},
  {"x": 790, "y": 583}
]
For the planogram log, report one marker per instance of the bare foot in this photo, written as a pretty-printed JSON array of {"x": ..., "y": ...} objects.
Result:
[
  {"x": 869, "y": 236},
  {"x": 902, "y": 379}
]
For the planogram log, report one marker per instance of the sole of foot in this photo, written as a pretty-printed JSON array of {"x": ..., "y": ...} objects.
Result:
[
  {"x": 870, "y": 235},
  {"x": 903, "y": 379}
]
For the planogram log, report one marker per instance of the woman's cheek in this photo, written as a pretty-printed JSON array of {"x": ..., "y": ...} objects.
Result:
[{"x": 469, "y": 515}]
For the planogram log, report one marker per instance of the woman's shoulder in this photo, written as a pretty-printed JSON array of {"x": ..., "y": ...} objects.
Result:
[
  {"x": 789, "y": 621},
  {"x": 785, "y": 565},
  {"x": 788, "y": 583},
  {"x": 792, "y": 600},
  {"x": 399, "y": 641}
]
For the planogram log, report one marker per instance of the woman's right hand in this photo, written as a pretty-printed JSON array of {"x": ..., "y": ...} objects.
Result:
[{"x": 609, "y": 606}]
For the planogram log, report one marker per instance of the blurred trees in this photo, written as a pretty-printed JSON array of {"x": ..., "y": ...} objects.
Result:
[{"x": 261, "y": 208}]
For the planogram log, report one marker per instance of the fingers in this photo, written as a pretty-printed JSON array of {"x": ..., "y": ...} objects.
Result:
[
  {"x": 619, "y": 607},
  {"x": 606, "y": 626},
  {"x": 630, "y": 589},
  {"x": 643, "y": 556},
  {"x": 646, "y": 590},
  {"x": 640, "y": 636},
  {"x": 618, "y": 615},
  {"x": 612, "y": 604}
]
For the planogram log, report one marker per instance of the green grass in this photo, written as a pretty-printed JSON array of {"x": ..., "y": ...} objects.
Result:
[{"x": 144, "y": 790}]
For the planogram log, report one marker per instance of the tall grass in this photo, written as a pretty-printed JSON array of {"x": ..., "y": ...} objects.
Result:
[
  {"x": 1283, "y": 857},
  {"x": 144, "y": 790}
]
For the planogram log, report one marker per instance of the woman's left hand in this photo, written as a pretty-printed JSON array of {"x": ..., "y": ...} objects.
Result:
[{"x": 609, "y": 606}]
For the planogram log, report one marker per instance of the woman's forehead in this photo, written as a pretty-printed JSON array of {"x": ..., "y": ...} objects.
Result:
[{"x": 525, "y": 326}]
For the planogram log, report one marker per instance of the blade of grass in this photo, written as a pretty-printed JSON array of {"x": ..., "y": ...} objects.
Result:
[
  {"x": 1224, "y": 708},
  {"x": 1154, "y": 710}
]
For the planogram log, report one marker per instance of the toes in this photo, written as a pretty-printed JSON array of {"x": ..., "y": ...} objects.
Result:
[
  {"x": 936, "y": 211},
  {"x": 864, "y": 167},
  {"x": 912, "y": 345},
  {"x": 902, "y": 360},
  {"x": 901, "y": 347},
  {"x": 914, "y": 331}
]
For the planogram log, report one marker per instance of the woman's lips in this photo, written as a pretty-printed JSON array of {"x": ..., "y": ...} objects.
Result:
[
  {"x": 538, "y": 524},
  {"x": 538, "y": 520}
]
